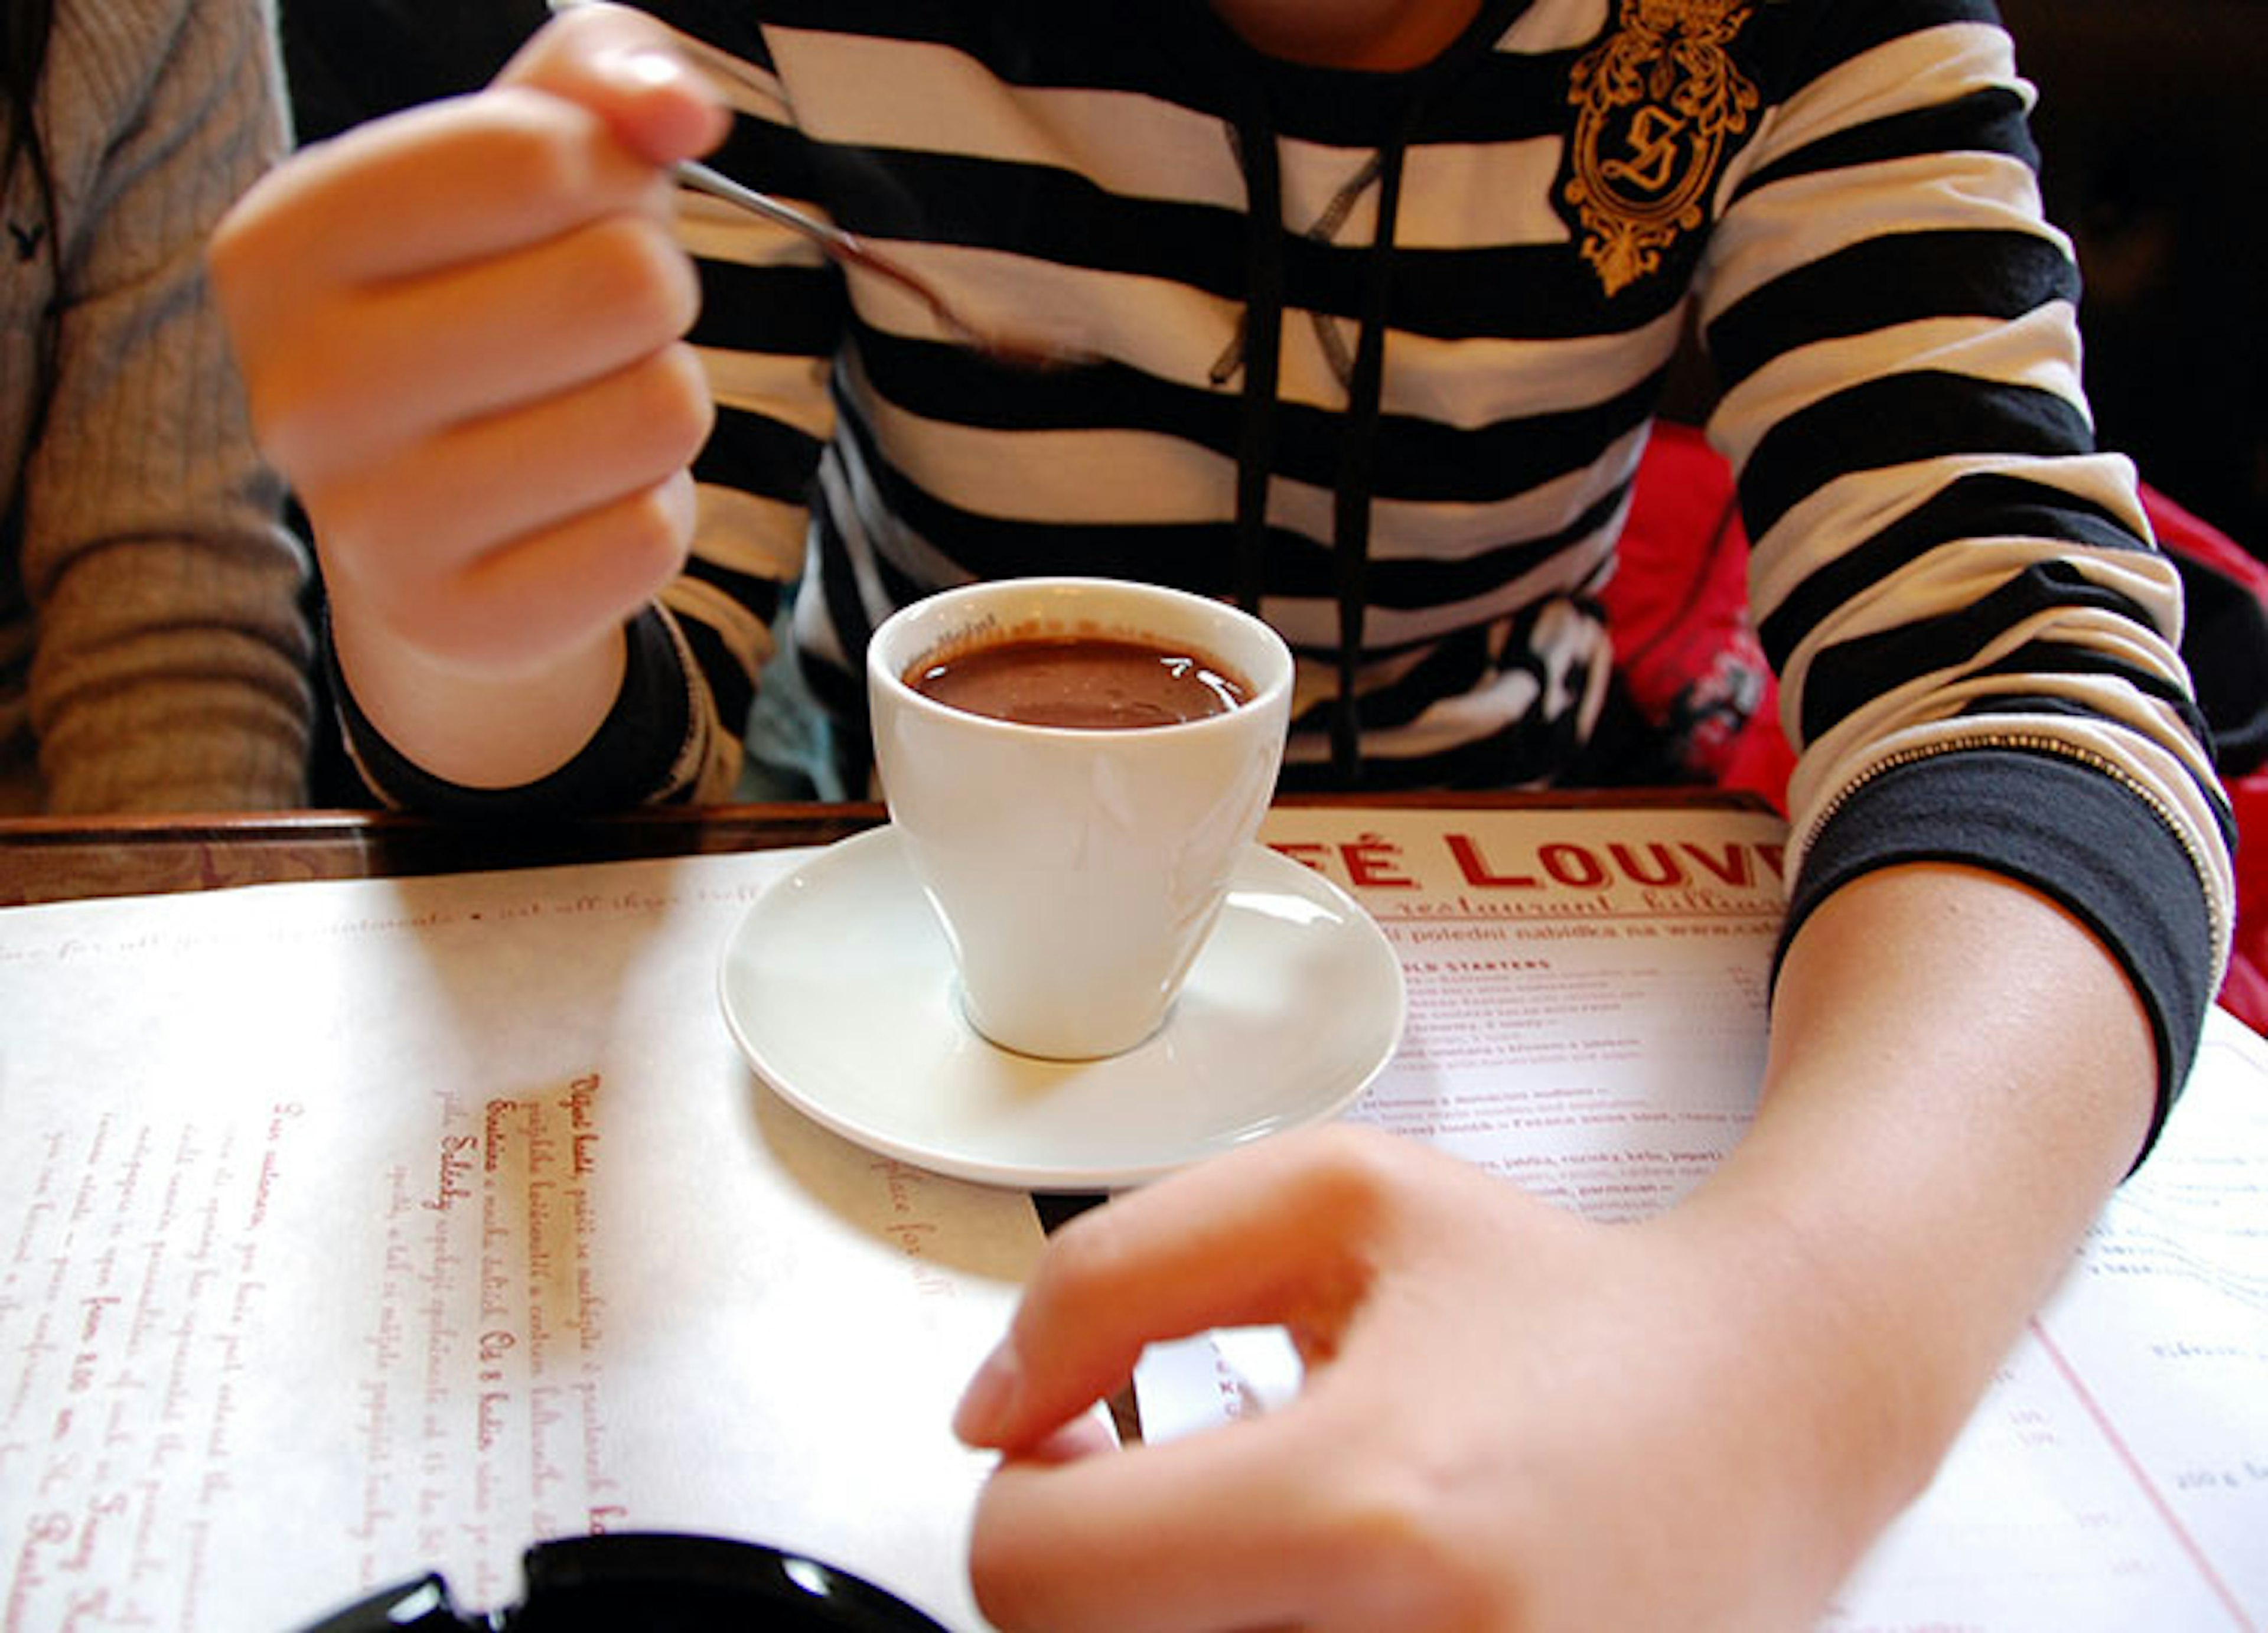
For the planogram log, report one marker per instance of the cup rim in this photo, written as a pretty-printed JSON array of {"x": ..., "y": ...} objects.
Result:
[{"x": 1275, "y": 691}]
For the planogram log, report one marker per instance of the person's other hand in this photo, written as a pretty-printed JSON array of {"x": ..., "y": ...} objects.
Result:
[
  {"x": 460, "y": 332},
  {"x": 1513, "y": 1419}
]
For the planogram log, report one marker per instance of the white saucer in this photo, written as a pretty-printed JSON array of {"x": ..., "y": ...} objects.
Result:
[{"x": 838, "y": 987}]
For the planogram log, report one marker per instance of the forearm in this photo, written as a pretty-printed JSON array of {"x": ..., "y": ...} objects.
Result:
[
  {"x": 173, "y": 670},
  {"x": 196, "y": 718},
  {"x": 1959, "y": 1075}
]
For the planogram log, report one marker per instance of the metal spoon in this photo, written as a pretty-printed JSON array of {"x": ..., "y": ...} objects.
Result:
[{"x": 1020, "y": 351}]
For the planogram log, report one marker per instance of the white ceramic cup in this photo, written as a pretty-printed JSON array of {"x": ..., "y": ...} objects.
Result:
[{"x": 1076, "y": 872}]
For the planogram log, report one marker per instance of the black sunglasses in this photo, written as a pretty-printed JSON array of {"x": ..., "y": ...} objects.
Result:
[{"x": 654, "y": 1582}]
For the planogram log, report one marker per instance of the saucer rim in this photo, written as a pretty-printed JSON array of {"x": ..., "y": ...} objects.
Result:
[{"x": 1079, "y": 1178}]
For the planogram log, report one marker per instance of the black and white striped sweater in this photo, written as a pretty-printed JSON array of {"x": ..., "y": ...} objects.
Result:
[{"x": 1377, "y": 353}]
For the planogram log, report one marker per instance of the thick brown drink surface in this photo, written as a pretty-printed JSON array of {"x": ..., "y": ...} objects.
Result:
[{"x": 1091, "y": 682}]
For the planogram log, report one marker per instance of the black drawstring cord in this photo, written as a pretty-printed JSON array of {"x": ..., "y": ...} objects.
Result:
[
  {"x": 1263, "y": 346},
  {"x": 1261, "y": 352},
  {"x": 1351, "y": 494}
]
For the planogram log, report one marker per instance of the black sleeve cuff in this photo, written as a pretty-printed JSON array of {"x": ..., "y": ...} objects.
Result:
[
  {"x": 625, "y": 764},
  {"x": 2068, "y": 831}
]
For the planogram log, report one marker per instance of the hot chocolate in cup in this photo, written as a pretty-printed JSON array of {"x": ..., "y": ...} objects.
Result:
[{"x": 1075, "y": 809}]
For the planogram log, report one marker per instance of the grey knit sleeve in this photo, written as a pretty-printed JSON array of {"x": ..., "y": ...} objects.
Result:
[{"x": 173, "y": 664}]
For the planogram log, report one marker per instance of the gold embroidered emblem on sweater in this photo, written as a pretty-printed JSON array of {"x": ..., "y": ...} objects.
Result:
[{"x": 1658, "y": 99}]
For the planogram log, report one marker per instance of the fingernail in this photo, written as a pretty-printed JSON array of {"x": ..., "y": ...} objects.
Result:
[
  {"x": 643, "y": 68},
  {"x": 985, "y": 1404}
]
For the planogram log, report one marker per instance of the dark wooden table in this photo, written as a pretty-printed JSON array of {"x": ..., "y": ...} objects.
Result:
[{"x": 71, "y": 858}]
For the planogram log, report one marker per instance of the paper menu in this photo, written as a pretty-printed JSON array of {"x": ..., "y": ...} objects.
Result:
[
  {"x": 355, "y": 1229},
  {"x": 226, "y": 1113},
  {"x": 2116, "y": 1474},
  {"x": 1586, "y": 988}
]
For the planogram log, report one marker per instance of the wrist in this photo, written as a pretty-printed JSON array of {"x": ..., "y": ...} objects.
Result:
[
  {"x": 474, "y": 729},
  {"x": 1852, "y": 1398}
]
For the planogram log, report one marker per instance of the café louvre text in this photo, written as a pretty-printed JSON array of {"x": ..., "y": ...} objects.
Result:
[{"x": 1490, "y": 872}]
